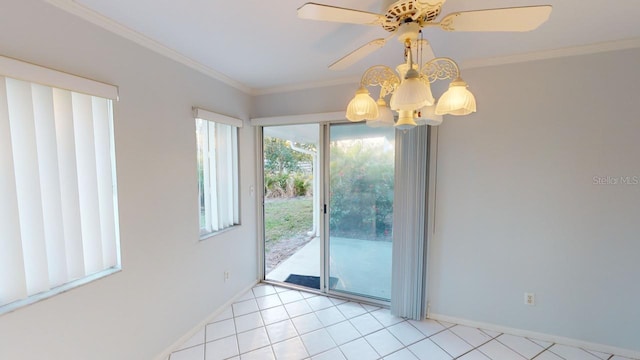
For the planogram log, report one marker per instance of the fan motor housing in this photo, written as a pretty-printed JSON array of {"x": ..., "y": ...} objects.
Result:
[
  {"x": 408, "y": 32},
  {"x": 401, "y": 10}
]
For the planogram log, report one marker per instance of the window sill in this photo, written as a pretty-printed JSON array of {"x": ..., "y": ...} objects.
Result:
[
  {"x": 219, "y": 232},
  {"x": 4, "y": 309}
]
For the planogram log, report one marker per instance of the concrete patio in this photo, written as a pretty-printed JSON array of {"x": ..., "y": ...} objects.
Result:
[{"x": 361, "y": 267}]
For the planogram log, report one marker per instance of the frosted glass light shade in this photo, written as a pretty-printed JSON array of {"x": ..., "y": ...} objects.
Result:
[
  {"x": 403, "y": 68},
  {"x": 385, "y": 117},
  {"x": 457, "y": 100},
  {"x": 427, "y": 116},
  {"x": 405, "y": 120},
  {"x": 362, "y": 107},
  {"x": 412, "y": 94}
]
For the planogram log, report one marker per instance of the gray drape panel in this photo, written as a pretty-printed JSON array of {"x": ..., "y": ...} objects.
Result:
[{"x": 410, "y": 224}]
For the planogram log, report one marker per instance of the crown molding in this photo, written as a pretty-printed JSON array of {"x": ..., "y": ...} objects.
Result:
[
  {"x": 486, "y": 62},
  {"x": 106, "y": 23},
  {"x": 555, "y": 53},
  {"x": 71, "y": 6},
  {"x": 305, "y": 86}
]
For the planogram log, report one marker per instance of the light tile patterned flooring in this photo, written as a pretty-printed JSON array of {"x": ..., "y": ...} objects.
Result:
[{"x": 271, "y": 322}]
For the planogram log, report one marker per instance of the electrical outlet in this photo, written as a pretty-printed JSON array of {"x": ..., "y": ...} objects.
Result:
[
  {"x": 529, "y": 299},
  {"x": 227, "y": 275}
]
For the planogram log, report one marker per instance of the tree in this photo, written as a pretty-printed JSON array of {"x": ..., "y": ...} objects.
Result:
[
  {"x": 280, "y": 158},
  {"x": 361, "y": 190},
  {"x": 283, "y": 175}
]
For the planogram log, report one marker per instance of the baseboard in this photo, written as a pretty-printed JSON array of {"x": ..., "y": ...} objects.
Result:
[
  {"x": 540, "y": 336},
  {"x": 167, "y": 352}
]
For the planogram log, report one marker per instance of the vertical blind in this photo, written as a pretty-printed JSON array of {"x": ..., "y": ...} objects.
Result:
[
  {"x": 218, "y": 171},
  {"x": 57, "y": 187},
  {"x": 410, "y": 224}
]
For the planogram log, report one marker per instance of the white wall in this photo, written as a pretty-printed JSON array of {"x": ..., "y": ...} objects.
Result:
[
  {"x": 170, "y": 281},
  {"x": 517, "y": 208},
  {"x": 309, "y": 101}
]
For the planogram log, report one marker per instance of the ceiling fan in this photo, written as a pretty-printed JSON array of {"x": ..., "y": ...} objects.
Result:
[{"x": 405, "y": 19}]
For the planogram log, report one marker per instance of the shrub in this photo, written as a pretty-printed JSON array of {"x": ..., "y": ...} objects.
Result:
[
  {"x": 278, "y": 185},
  {"x": 361, "y": 190},
  {"x": 301, "y": 184}
]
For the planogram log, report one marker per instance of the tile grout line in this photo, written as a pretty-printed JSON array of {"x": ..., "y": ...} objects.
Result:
[
  {"x": 476, "y": 347},
  {"x": 204, "y": 344},
  {"x": 493, "y": 339},
  {"x": 519, "y": 353},
  {"x": 233, "y": 318},
  {"x": 270, "y": 345},
  {"x": 473, "y": 347},
  {"x": 548, "y": 349},
  {"x": 438, "y": 345}
]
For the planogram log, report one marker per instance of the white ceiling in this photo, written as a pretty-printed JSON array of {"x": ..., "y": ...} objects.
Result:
[{"x": 263, "y": 46}]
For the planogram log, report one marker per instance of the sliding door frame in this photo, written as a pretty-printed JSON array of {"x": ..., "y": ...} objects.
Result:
[
  {"x": 324, "y": 121},
  {"x": 259, "y": 201},
  {"x": 325, "y": 138}
]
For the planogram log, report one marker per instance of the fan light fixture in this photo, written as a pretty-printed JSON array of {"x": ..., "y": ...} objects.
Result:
[
  {"x": 427, "y": 116},
  {"x": 362, "y": 107},
  {"x": 458, "y": 100},
  {"x": 411, "y": 93},
  {"x": 385, "y": 117}
]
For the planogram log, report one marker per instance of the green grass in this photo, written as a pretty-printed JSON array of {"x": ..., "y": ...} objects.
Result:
[{"x": 287, "y": 218}]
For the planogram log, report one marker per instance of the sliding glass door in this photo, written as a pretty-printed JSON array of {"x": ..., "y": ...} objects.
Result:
[
  {"x": 328, "y": 207},
  {"x": 360, "y": 198},
  {"x": 292, "y": 246}
]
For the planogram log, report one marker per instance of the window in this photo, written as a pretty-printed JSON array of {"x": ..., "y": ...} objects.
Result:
[
  {"x": 58, "y": 215},
  {"x": 217, "y": 137}
]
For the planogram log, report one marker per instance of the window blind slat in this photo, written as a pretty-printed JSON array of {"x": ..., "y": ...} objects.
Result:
[
  {"x": 67, "y": 167},
  {"x": 235, "y": 184},
  {"x": 206, "y": 189},
  {"x": 222, "y": 168},
  {"x": 50, "y": 183},
  {"x": 101, "y": 125},
  {"x": 87, "y": 182},
  {"x": 201, "y": 174},
  {"x": 213, "y": 178},
  {"x": 25, "y": 161},
  {"x": 12, "y": 274},
  {"x": 227, "y": 201}
]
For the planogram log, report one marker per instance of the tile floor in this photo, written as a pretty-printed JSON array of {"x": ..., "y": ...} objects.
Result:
[{"x": 271, "y": 322}]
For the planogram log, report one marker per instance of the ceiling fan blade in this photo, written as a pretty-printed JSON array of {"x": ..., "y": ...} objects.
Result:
[
  {"x": 358, "y": 54},
  {"x": 428, "y": 8},
  {"x": 525, "y": 18},
  {"x": 313, "y": 11},
  {"x": 426, "y": 51}
]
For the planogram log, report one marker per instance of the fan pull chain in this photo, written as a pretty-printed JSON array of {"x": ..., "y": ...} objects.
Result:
[
  {"x": 406, "y": 53},
  {"x": 420, "y": 49}
]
